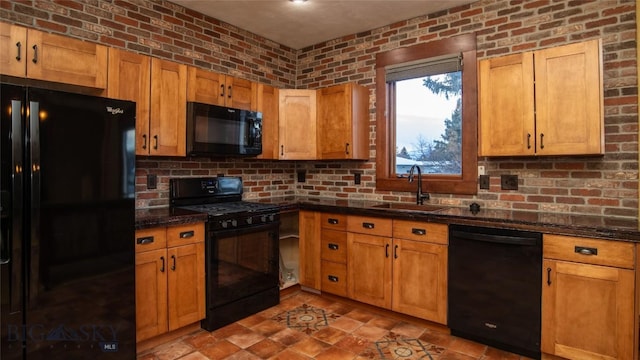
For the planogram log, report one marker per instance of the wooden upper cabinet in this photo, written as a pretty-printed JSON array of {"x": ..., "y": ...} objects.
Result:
[
  {"x": 13, "y": 48},
  {"x": 130, "y": 79},
  {"x": 507, "y": 106},
  {"x": 343, "y": 122},
  {"x": 268, "y": 102},
  {"x": 218, "y": 89},
  {"x": 297, "y": 125},
  {"x": 42, "y": 56},
  {"x": 569, "y": 99},
  {"x": 167, "y": 123},
  {"x": 547, "y": 102}
]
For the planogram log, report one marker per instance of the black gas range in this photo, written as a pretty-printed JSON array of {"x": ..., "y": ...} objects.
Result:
[
  {"x": 241, "y": 246},
  {"x": 221, "y": 198}
]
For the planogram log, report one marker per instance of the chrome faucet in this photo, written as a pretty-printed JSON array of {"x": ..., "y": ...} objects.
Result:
[{"x": 420, "y": 196}]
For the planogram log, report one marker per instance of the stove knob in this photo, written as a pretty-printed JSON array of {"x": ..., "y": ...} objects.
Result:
[
  {"x": 263, "y": 218},
  {"x": 249, "y": 220},
  {"x": 271, "y": 217},
  {"x": 224, "y": 224},
  {"x": 234, "y": 223}
]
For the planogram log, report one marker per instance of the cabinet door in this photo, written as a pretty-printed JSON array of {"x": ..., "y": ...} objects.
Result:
[
  {"x": 369, "y": 269},
  {"x": 206, "y": 87},
  {"x": 65, "y": 60},
  {"x": 506, "y": 106},
  {"x": 569, "y": 109},
  {"x": 130, "y": 79},
  {"x": 587, "y": 311},
  {"x": 151, "y": 294},
  {"x": 343, "y": 122},
  {"x": 309, "y": 248},
  {"x": 13, "y": 50},
  {"x": 167, "y": 125},
  {"x": 420, "y": 279},
  {"x": 297, "y": 125},
  {"x": 268, "y": 105},
  {"x": 186, "y": 284},
  {"x": 241, "y": 93}
]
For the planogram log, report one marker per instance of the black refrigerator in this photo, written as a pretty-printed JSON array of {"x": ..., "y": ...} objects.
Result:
[{"x": 67, "y": 272}]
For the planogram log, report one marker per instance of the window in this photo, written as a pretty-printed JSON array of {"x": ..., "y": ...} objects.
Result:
[{"x": 427, "y": 115}]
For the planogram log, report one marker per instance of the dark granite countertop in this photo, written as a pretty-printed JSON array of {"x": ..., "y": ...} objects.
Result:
[
  {"x": 604, "y": 227},
  {"x": 148, "y": 218}
]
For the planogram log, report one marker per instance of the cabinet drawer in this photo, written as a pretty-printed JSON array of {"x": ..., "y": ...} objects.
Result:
[
  {"x": 369, "y": 225},
  {"x": 334, "y": 278},
  {"x": 151, "y": 239},
  {"x": 185, "y": 234},
  {"x": 421, "y": 231},
  {"x": 334, "y": 221},
  {"x": 589, "y": 251},
  {"x": 334, "y": 246}
]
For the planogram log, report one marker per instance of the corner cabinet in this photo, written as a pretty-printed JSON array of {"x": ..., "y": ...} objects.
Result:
[
  {"x": 42, "y": 56},
  {"x": 546, "y": 102},
  {"x": 170, "y": 279},
  {"x": 588, "y": 298},
  {"x": 218, "y": 89},
  {"x": 268, "y": 102},
  {"x": 297, "y": 125},
  {"x": 343, "y": 122}
]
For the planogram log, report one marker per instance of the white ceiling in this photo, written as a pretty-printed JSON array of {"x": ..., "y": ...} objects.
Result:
[{"x": 300, "y": 25}]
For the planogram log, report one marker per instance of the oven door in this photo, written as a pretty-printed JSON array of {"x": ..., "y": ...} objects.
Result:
[{"x": 241, "y": 263}]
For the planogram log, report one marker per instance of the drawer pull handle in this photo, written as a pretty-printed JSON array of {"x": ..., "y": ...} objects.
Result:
[
  {"x": 333, "y": 246},
  {"x": 162, "y": 267},
  {"x": 415, "y": 231},
  {"x": 333, "y": 221},
  {"x": 549, "y": 276},
  {"x": 368, "y": 225},
  {"x": 386, "y": 251},
  {"x": 586, "y": 250},
  {"x": 187, "y": 234},
  {"x": 173, "y": 267},
  {"x": 332, "y": 278},
  {"x": 145, "y": 240}
]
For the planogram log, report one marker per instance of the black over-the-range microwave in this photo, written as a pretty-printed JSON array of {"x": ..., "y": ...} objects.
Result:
[{"x": 214, "y": 130}]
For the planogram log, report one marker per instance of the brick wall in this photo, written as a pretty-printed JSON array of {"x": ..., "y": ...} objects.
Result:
[
  {"x": 588, "y": 185},
  {"x": 584, "y": 185}
]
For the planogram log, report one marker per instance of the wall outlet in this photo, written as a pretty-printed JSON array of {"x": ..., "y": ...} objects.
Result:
[
  {"x": 481, "y": 170},
  {"x": 484, "y": 182},
  {"x": 302, "y": 176},
  {"x": 356, "y": 178},
  {"x": 152, "y": 181},
  {"x": 509, "y": 182}
]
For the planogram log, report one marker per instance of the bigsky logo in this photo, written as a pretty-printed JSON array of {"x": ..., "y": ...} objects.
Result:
[{"x": 104, "y": 335}]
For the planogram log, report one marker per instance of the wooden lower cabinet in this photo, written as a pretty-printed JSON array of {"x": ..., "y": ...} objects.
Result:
[
  {"x": 309, "y": 249},
  {"x": 170, "y": 279},
  {"x": 369, "y": 269},
  {"x": 588, "y": 309},
  {"x": 407, "y": 275},
  {"x": 420, "y": 280}
]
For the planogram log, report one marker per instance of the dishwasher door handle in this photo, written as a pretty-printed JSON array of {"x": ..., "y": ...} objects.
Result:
[{"x": 502, "y": 239}]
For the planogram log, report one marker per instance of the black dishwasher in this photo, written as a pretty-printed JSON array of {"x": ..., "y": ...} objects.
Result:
[{"x": 495, "y": 287}]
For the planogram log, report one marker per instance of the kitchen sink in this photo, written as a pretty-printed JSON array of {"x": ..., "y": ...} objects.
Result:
[{"x": 408, "y": 207}]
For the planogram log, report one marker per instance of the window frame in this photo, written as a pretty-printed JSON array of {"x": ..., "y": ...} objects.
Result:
[{"x": 466, "y": 183}]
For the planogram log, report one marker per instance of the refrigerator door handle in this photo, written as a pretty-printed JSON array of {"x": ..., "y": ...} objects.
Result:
[{"x": 34, "y": 171}]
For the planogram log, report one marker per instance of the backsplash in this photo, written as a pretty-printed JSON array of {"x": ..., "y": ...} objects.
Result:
[{"x": 605, "y": 185}]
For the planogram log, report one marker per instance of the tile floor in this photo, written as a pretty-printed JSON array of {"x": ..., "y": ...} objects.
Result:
[{"x": 309, "y": 326}]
